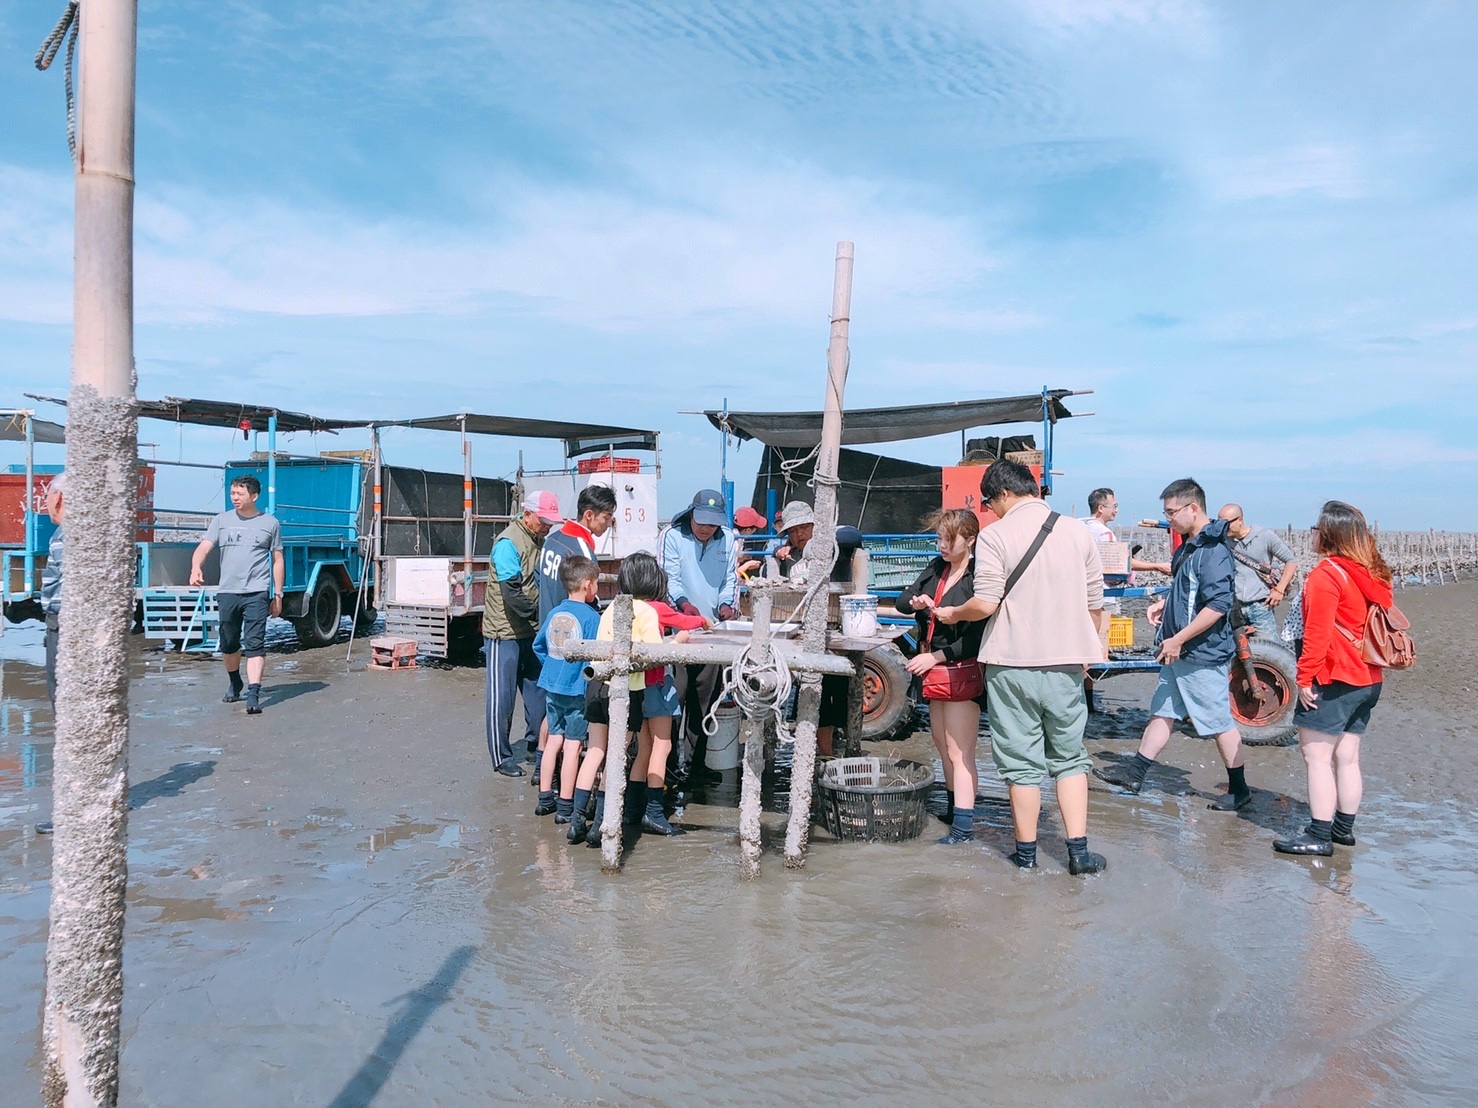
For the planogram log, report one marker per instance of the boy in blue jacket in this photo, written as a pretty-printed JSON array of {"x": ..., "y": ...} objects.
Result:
[{"x": 563, "y": 682}]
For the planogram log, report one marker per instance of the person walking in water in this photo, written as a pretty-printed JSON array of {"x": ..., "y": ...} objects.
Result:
[
  {"x": 1196, "y": 648},
  {"x": 1038, "y": 580},
  {"x": 1337, "y": 687},
  {"x": 250, "y": 589}
]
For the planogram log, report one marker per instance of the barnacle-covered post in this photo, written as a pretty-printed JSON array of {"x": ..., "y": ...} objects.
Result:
[
  {"x": 610, "y": 828},
  {"x": 753, "y": 768},
  {"x": 820, "y": 556},
  {"x": 84, "y": 953}
]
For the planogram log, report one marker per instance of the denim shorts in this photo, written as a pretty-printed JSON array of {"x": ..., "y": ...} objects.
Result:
[
  {"x": 1342, "y": 709},
  {"x": 566, "y": 716},
  {"x": 661, "y": 700},
  {"x": 1198, "y": 692}
]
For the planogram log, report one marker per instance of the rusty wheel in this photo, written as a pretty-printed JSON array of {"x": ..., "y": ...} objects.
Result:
[{"x": 1264, "y": 713}]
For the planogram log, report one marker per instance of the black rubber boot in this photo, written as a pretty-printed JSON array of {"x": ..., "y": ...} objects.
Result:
[
  {"x": 655, "y": 819},
  {"x": 592, "y": 834}
]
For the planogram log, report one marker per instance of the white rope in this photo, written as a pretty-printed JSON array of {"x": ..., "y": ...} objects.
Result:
[
  {"x": 759, "y": 688},
  {"x": 47, "y": 54}
]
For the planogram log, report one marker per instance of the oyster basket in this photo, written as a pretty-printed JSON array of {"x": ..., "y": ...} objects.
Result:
[{"x": 873, "y": 799}]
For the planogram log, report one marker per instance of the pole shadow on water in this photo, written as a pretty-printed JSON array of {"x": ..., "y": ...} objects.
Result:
[
  {"x": 171, "y": 782},
  {"x": 278, "y": 694},
  {"x": 416, "y": 1009}
]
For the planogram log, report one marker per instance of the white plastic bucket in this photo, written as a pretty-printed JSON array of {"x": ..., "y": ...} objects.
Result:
[
  {"x": 859, "y": 615},
  {"x": 723, "y": 744}
]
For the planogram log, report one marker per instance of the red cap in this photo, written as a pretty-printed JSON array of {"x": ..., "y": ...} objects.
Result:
[{"x": 748, "y": 517}]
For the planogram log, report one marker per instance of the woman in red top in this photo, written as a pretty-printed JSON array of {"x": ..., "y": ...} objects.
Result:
[{"x": 1337, "y": 688}]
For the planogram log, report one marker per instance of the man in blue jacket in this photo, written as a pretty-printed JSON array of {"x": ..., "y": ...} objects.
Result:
[
  {"x": 1196, "y": 648},
  {"x": 702, "y": 568}
]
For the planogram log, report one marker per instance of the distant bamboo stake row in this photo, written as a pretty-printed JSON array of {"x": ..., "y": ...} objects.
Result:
[{"x": 1415, "y": 557}]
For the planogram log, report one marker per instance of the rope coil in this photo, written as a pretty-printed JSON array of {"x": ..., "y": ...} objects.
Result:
[{"x": 47, "y": 54}]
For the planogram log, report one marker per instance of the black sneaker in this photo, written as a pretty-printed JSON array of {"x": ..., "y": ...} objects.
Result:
[
  {"x": 1304, "y": 844},
  {"x": 231, "y": 697},
  {"x": 544, "y": 807},
  {"x": 508, "y": 769},
  {"x": 1021, "y": 863},
  {"x": 1342, "y": 840},
  {"x": 1086, "y": 862},
  {"x": 579, "y": 829},
  {"x": 1120, "y": 774}
]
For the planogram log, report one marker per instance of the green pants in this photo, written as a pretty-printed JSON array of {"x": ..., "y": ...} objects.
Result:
[{"x": 1037, "y": 718}]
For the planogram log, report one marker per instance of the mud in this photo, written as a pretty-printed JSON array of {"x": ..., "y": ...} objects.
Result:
[{"x": 337, "y": 902}]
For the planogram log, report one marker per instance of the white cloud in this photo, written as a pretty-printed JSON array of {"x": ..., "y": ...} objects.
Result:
[
  {"x": 706, "y": 244},
  {"x": 1328, "y": 170},
  {"x": 1075, "y": 15}
]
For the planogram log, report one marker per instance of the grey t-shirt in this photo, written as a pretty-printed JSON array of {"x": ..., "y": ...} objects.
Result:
[
  {"x": 246, "y": 547},
  {"x": 1264, "y": 547}
]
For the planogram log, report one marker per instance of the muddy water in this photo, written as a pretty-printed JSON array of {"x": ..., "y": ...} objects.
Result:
[{"x": 336, "y": 903}]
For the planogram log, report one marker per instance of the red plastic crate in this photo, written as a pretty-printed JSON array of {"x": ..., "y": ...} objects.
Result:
[{"x": 607, "y": 464}]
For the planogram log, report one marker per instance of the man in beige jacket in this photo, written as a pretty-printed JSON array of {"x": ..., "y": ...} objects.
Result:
[{"x": 1035, "y": 648}]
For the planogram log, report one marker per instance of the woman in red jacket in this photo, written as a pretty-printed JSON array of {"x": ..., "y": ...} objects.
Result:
[{"x": 1337, "y": 688}]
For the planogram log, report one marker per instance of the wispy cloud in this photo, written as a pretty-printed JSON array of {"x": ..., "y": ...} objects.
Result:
[
  {"x": 694, "y": 241},
  {"x": 1327, "y": 170}
]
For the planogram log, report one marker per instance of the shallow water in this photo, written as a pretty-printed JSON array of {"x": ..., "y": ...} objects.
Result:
[{"x": 336, "y": 903}]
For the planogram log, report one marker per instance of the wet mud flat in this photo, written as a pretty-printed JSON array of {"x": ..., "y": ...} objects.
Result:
[{"x": 337, "y": 903}]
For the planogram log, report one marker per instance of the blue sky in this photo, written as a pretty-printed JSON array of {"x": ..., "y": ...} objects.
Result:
[{"x": 1249, "y": 227}]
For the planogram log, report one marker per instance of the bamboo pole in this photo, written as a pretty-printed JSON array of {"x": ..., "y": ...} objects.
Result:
[
  {"x": 84, "y": 960},
  {"x": 820, "y": 557}
]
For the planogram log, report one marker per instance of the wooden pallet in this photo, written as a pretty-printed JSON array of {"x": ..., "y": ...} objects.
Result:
[
  {"x": 392, "y": 652},
  {"x": 426, "y": 625}
]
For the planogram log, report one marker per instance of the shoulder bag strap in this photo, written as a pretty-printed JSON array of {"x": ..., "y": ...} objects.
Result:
[
  {"x": 1355, "y": 640},
  {"x": 1031, "y": 552},
  {"x": 938, "y": 596}
]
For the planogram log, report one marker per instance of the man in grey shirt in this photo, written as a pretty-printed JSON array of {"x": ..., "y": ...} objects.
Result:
[
  {"x": 250, "y": 542},
  {"x": 1260, "y": 584}
]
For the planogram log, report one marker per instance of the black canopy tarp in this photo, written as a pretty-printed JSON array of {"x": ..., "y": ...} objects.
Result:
[
  {"x": 13, "y": 428},
  {"x": 579, "y": 438},
  {"x": 861, "y": 426},
  {"x": 877, "y": 494}
]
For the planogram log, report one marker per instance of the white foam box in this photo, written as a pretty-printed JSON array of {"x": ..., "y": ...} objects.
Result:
[{"x": 418, "y": 581}]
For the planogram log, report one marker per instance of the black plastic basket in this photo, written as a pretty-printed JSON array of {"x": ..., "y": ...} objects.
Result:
[{"x": 874, "y": 799}]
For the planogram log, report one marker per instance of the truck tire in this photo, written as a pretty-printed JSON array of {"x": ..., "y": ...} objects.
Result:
[
  {"x": 320, "y": 623},
  {"x": 887, "y": 694},
  {"x": 1271, "y": 723}
]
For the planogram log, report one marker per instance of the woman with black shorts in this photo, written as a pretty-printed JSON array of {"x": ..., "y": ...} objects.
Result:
[
  {"x": 948, "y": 661},
  {"x": 1337, "y": 688}
]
